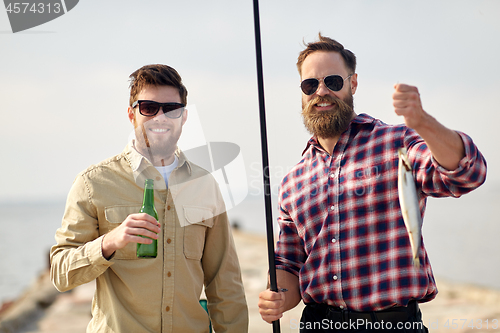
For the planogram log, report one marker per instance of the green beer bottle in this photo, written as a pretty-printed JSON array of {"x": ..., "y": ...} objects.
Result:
[{"x": 148, "y": 207}]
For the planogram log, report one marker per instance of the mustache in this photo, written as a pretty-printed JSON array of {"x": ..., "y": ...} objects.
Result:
[{"x": 307, "y": 108}]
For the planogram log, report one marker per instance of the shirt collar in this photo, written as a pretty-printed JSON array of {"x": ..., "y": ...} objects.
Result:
[
  {"x": 361, "y": 119},
  {"x": 139, "y": 162}
]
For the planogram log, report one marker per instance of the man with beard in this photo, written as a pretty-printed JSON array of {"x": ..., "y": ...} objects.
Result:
[
  {"x": 102, "y": 226},
  {"x": 343, "y": 247}
]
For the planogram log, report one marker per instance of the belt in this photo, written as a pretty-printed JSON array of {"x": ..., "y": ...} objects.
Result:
[{"x": 394, "y": 315}]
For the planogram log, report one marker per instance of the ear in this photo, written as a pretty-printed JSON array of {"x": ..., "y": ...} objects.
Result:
[
  {"x": 131, "y": 114},
  {"x": 354, "y": 83}
]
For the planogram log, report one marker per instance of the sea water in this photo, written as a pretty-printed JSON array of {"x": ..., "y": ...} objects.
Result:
[
  {"x": 460, "y": 235},
  {"x": 27, "y": 232}
]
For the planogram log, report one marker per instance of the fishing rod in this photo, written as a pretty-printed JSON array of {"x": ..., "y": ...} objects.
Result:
[{"x": 265, "y": 160}]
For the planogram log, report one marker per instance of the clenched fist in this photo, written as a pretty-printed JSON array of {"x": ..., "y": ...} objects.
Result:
[{"x": 407, "y": 103}]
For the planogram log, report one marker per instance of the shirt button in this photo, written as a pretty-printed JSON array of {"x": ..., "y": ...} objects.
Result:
[
  {"x": 334, "y": 240},
  {"x": 167, "y": 308},
  {"x": 168, "y": 207},
  {"x": 169, "y": 274},
  {"x": 332, "y": 207},
  {"x": 335, "y": 278},
  {"x": 332, "y": 175},
  {"x": 341, "y": 306},
  {"x": 158, "y": 178},
  {"x": 169, "y": 241}
]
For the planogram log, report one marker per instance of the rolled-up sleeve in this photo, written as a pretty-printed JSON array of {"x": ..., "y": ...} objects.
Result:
[{"x": 436, "y": 181}]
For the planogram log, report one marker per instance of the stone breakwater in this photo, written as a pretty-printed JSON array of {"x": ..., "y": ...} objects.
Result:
[{"x": 457, "y": 308}]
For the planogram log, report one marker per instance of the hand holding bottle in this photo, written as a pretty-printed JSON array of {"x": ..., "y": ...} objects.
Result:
[{"x": 128, "y": 232}]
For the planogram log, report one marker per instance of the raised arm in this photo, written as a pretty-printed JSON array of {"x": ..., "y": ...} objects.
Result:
[{"x": 446, "y": 145}]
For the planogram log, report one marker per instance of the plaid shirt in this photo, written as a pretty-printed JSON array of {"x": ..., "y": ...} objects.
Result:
[{"x": 341, "y": 227}]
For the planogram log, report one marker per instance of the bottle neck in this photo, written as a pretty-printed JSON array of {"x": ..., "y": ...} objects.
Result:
[{"x": 148, "y": 194}]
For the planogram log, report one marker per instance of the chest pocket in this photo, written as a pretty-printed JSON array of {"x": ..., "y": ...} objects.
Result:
[
  {"x": 198, "y": 219},
  {"x": 115, "y": 215}
]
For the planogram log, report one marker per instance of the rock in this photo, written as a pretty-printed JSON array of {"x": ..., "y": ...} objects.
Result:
[{"x": 30, "y": 306}]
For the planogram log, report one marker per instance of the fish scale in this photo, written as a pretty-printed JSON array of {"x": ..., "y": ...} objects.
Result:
[{"x": 408, "y": 200}]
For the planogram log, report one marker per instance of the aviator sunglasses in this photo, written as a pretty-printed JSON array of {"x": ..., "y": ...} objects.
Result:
[
  {"x": 332, "y": 82},
  {"x": 151, "y": 108}
]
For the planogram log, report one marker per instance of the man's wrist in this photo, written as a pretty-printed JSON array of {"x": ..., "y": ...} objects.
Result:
[{"x": 106, "y": 250}]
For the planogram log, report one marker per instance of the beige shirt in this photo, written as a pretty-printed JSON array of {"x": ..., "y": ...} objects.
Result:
[{"x": 195, "y": 249}]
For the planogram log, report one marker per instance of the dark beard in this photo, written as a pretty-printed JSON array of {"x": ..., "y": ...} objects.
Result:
[
  {"x": 156, "y": 151},
  {"x": 328, "y": 124}
]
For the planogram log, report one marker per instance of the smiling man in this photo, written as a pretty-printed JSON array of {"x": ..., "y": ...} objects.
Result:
[
  {"x": 101, "y": 228},
  {"x": 343, "y": 247}
]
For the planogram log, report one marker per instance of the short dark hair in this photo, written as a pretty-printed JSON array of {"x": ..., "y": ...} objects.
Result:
[
  {"x": 156, "y": 75},
  {"x": 329, "y": 45}
]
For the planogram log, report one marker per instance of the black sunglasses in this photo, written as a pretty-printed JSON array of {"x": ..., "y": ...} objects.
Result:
[
  {"x": 332, "y": 82},
  {"x": 151, "y": 108}
]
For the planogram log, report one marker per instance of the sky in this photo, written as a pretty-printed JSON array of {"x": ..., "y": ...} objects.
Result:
[
  {"x": 64, "y": 84},
  {"x": 64, "y": 91}
]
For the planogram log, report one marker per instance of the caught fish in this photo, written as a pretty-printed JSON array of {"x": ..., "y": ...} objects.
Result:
[{"x": 408, "y": 200}]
